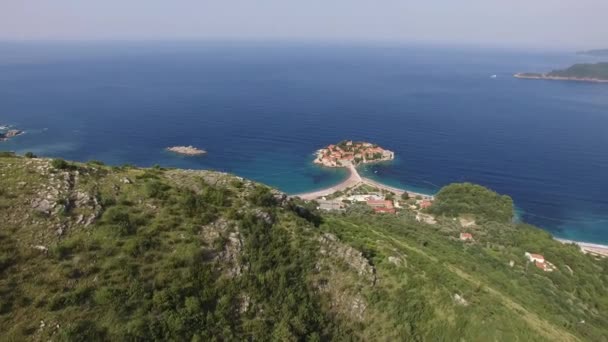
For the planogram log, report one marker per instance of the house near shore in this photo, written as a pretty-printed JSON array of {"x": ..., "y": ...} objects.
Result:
[
  {"x": 466, "y": 237},
  {"x": 329, "y": 205},
  {"x": 385, "y": 210},
  {"x": 534, "y": 257},
  {"x": 363, "y": 198},
  {"x": 425, "y": 204},
  {"x": 540, "y": 262},
  {"x": 379, "y": 203}
]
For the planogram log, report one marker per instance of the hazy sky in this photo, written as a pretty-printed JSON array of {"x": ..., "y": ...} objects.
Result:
[{"x": 552, "y": 23}]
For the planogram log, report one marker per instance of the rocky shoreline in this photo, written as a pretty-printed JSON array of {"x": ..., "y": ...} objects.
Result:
[
  {"x": 558, "y": 78},
  {"x": 187, "y": 150},
  {"x": 11, "y": 133}
]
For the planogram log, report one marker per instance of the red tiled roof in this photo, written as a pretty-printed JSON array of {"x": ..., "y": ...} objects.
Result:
[
  {"x": 537, "y": 256},
  {"x": 465, "y": 236},
  {"x": 380, "y": 203},
  {"x": 425, "y": 204},
  {"x": 385, "y": 210},
  {"x": 540, "y": 265}
]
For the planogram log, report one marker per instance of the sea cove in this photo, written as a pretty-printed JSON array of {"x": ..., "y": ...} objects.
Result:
[{"x": 262, "y": 109}]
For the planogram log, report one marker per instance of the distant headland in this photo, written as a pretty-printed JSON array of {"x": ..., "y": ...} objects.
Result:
[
  {"x": 596, "y": 53},
  {"x": 347, "y": 153},
  {"x": 584, "y": 72},
  {"x": 186, "y": 150}
]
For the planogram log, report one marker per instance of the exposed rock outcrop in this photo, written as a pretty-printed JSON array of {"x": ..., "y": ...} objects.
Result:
[
  {"x": 348, "y": 301},
  {"x": 225, "y": 246},
  {"x": 331, "y": 246}
]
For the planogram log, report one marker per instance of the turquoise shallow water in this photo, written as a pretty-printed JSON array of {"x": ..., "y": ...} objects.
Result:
[{"x": 262, "y": 109}]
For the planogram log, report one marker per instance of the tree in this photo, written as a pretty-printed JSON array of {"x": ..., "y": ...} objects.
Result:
[
  {"x": 405, "y": 196},
  {"x": 60, "y": 164}
]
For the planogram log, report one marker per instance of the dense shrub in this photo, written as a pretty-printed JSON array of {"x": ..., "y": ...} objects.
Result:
[
  {"x": 60, "y": 164},
  {"x": 466, "y": 198},
  {"x": 263, "y": 197},
  {"x": 156, "y": 189}
]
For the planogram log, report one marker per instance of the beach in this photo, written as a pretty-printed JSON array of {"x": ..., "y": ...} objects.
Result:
[
  {"x": 354, "y": 179},
  {"x": 586, "y": 247}
]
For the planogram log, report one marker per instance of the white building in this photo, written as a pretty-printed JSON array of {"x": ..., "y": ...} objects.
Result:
[
  {"x": 535, "y": 257},
  {"x": 363, "y": 198}
]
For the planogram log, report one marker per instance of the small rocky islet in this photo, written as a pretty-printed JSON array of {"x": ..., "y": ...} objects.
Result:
[
  {"x": 7, "y": 133},
  {"x": 187, "y": 150}
]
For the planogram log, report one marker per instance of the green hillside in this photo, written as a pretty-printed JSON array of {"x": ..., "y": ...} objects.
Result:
[
  {"x": 584, "y": 70},
  {"x": 96, "y": 253}
]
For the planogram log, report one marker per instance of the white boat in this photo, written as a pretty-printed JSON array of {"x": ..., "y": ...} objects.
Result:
[{"x": 493, "y": 76}]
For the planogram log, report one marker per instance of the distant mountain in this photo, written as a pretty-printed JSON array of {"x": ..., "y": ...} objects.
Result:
[{"x": 598, "y": 53}]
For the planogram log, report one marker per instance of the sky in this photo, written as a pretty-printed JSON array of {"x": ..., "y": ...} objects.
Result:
[{"x": 541, "y": 23}]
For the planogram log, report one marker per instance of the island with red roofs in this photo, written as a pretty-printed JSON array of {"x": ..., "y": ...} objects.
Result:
[{"x": 348, "y": 152}]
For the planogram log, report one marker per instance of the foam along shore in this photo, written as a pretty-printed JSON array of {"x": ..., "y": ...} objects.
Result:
[
  {"x": 558, "y": 78},
  {"x": 586, "y": 247},
  {"x": 9, "y": 134},
  {"x": 186, "y": 150},
  {"x": 354, "y": 179}
]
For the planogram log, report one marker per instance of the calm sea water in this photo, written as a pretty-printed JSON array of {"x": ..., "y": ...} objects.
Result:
[{"x": 262, "y": 109}]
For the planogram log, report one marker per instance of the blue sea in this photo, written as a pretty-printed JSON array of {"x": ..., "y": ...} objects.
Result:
[{"x": 262, "y": 108}]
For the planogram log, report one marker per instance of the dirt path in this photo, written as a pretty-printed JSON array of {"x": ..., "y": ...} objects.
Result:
[{"x": 543, "y": 327}]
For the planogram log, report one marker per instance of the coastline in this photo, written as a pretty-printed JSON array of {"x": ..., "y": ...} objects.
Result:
[
  {"x": 587, "y": 247},
  {"x": 354, "y": 179},
  {"x": 559, "y": 78}
]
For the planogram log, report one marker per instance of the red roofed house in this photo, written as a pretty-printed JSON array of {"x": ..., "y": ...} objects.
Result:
[
  {"x": 380, "y": 203},
  {"x": 466, "y": 236},
  {"x": 385, "y": 210},
  {"x": 541, "y": 265},
  {"x": 535, "y": 257},
  {"x": 425, "y": 204},
  {"x": 540, "y": 262}
]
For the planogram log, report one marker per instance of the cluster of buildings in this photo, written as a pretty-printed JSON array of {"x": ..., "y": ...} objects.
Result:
[
  {"x": 350, "y": 152},
  {"x": 376, "y": 202}
]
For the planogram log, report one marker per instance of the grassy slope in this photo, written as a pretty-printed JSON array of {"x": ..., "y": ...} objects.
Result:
[
  {"x": 196, "y": 255},
  {"x": 584, "y": 70}
]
